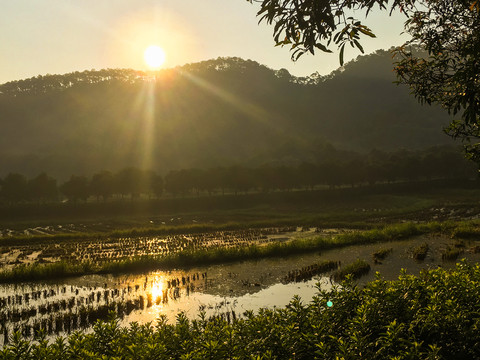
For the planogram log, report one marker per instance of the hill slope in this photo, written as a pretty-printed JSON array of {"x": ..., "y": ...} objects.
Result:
[{"x": 211, "y": 113}]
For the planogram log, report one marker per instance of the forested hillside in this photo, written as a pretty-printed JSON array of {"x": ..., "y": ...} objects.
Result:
[{"x": 214, "y": 113}]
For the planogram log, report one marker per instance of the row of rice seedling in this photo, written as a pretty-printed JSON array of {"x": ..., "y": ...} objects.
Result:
[
  {"x": 58, "y": 296},
  {"x": 356, "y": 269},
  {"x": 103, "y": 250},
  {"x": 65, "y": 309},
  {"x": 420, "y": 252},
  {"x": 310, "y": 271},
  {"x": 381, "y": 254},
  {"x": 134, "y": 254},
  {"x": 451, "y": 253}
]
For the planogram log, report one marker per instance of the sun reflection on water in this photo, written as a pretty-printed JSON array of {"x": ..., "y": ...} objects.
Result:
[{"x": 156, "y": 289}]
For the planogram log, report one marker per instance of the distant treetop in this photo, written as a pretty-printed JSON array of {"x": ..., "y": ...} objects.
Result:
[{"x": 45, "y": 83}]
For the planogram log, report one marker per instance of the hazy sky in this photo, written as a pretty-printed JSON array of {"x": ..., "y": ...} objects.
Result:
[{"x": 60, "y": 36}]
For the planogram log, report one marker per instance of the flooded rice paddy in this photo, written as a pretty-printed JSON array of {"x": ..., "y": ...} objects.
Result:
[
  {"x": 227, "y": 290},
  {"x": 100, "y": 250}
]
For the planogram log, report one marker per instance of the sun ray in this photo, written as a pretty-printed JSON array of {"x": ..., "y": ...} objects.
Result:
[
  {"x": 149, "y": 127},
  {"x": 246, "y": 107},
  {"x": 252, "y": 110}
]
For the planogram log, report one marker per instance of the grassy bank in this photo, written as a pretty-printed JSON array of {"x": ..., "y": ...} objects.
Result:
[
  {"x": 186, "y": 259},
  {"x": 432, "y": 316}
]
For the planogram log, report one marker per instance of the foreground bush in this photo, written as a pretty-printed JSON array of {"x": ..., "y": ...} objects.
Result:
[{"x": 433, "y": 316}]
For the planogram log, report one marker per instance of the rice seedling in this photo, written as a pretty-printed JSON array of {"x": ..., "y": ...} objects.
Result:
[
  {"x": 356, "y": 269},
  {"x": 310, "y": 271},
  {"x": 126, "y": 254},
  {"x": 381, "y": 254},
  {"x": 467, "y": 230},
  {"x": 420, "y": 252},
  {"x": 451, "y": 253},
  {"x": 475, "y": 249}
]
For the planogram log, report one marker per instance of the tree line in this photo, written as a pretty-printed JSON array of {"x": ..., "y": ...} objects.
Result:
[{"x": 368, "y": 169}]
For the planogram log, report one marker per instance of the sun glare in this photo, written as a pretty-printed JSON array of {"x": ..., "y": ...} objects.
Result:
[
  {"x": 157, "y": 290},
  {"x": 154, "y": 56}
]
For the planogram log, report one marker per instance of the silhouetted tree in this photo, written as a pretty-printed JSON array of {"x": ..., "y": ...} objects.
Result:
[
  {"x": 265, "y": 178},
  {"x": 133, "y": 181},
  {"x": 206, "y": 181},
  {"x": 285, "y": 178},
  {"x": 442, "y": 65},
  {"x": 240, "y": 179},
  {"x": 157, "y": 184},
  {"x": 219, "y": 177},
  {"x": 102, "y": 185},
  {"x": 354, "y": 172},
  {"x": 331, "y": 174},
  {"x": 76, "y": 188},
  {"x": 308, "y": 174},
  {"x": 14, "y": 188},
  {"x": 177, "y": 182},
  {"x": 42, "y": 188}
]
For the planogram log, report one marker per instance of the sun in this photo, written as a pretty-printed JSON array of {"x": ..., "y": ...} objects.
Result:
[{"x": 154, "y": 56}]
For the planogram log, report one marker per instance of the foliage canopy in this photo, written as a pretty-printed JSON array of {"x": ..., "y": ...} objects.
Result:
[
  {"x": 440, "y": 63},
  {"x": 449, "y": 31},
  {"x": 308, "y": 25}
]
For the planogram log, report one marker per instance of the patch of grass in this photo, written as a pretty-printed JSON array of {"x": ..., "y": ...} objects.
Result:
[
  {"x": 451, "y": 253},
  {"x": 467, "y": 230},
  {"x": 310, "y": 271},
  {"x": 475, "y": 249},
  {"x": 381, "y": 254},
  {"x": 420, "y": 252},
  {"x": 32, "y": 272},
  {"x": 356, "y": 269},
  {"x": 390, "y": 233}
]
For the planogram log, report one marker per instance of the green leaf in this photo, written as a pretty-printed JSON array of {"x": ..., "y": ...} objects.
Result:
[
  {"x": 366, "y": 31},
  {"x": 342, "y": 49},
  {"x": 358, "y": 45},
  {"x": 322, "y": 47}
]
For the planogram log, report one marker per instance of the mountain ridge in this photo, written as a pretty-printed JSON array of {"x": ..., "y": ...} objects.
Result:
[{"x": 213, "y": 113}]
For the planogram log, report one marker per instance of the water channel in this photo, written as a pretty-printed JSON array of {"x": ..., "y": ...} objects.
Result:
[{"x": 226, "y": 290}]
